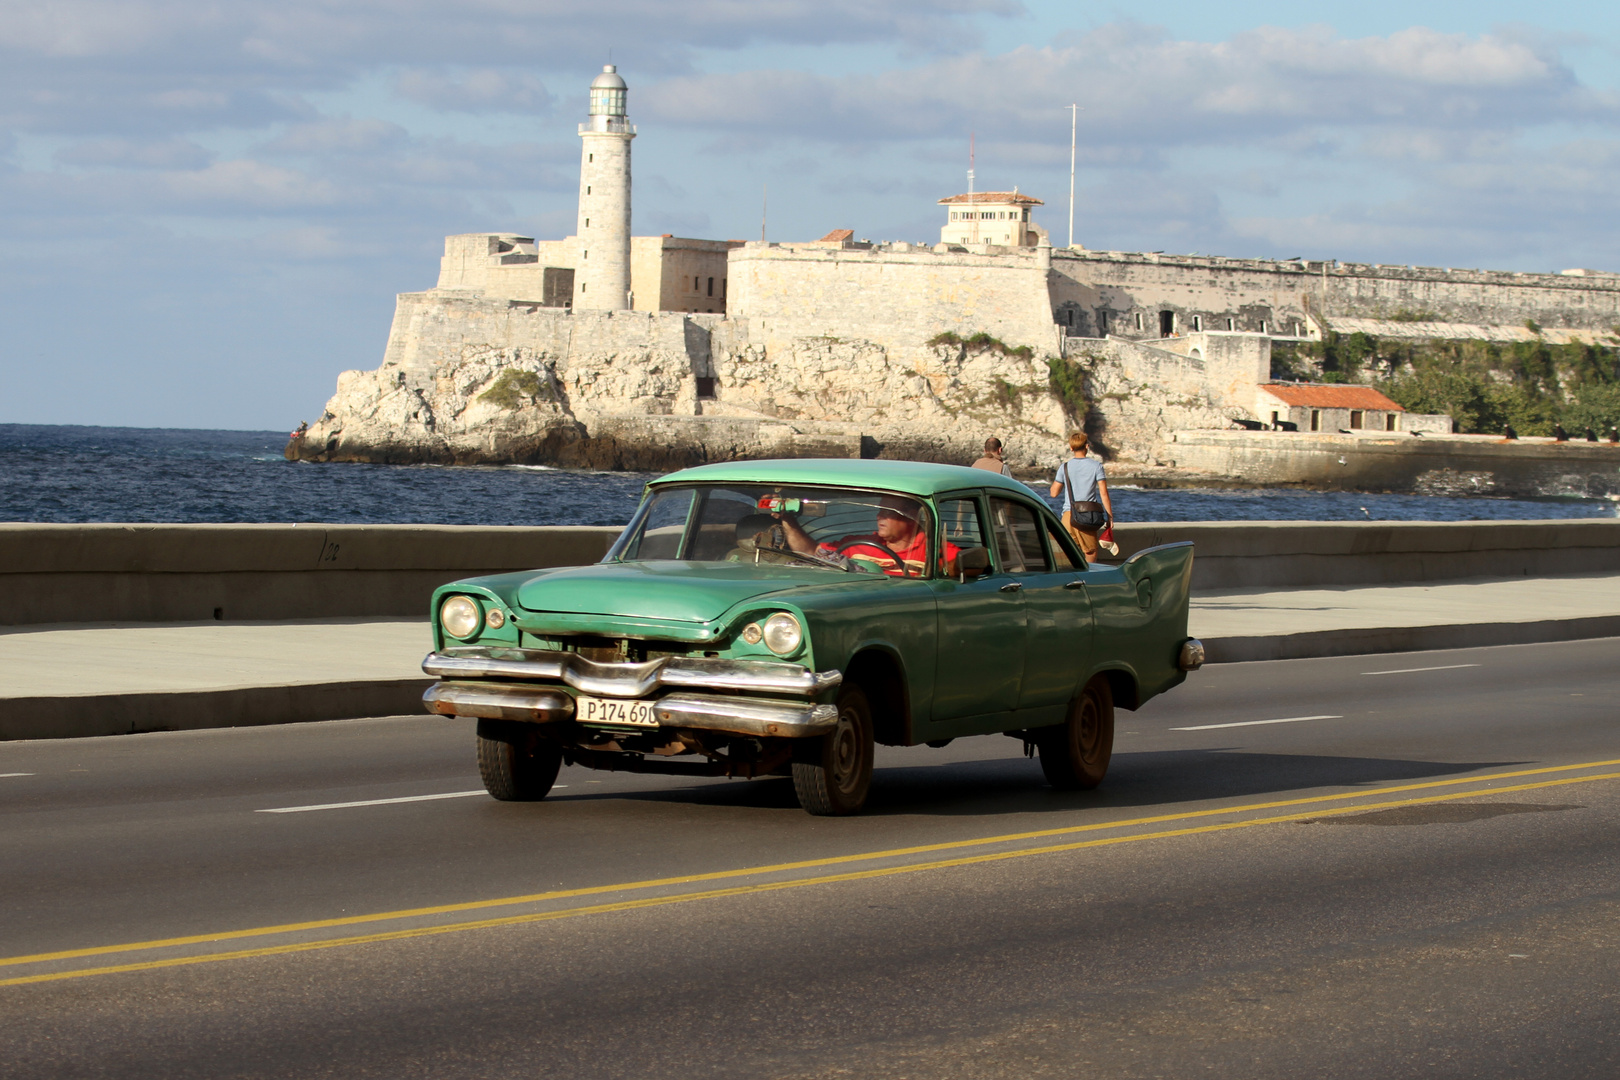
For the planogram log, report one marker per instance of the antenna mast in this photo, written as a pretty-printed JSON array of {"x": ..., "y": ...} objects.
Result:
[
  {"x": 973, "y": 205},
  {"x": 764, "y": 208}
]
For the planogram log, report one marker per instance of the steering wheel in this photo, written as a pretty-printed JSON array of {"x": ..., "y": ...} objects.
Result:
[{"x": 880, "y": 545}]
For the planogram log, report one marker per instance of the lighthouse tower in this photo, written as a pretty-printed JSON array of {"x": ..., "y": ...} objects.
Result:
[{"x": 602, "y": 273}]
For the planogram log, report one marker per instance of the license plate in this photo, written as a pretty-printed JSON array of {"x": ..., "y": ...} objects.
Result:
[{"x": 595, "y": 710}]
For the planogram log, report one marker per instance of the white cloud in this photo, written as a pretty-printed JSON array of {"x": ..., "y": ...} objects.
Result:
[
  {"x": 172, "y": 153},
  {"x": 478, "y": 90},
  {"x": 338, "y": 136},
  {"x": 1139, "y": 86}
]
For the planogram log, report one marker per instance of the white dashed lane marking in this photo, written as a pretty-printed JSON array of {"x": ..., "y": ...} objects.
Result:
[
  {"x": 1410, "y": 670},
  {"x": 371, "y": 802},
  {"x": 1255, "y": 723}
]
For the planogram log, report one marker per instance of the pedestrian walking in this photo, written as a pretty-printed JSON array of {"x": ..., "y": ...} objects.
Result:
[
  {"x": 992, "y": 458},
  {"x": 1083, "y": 484}
]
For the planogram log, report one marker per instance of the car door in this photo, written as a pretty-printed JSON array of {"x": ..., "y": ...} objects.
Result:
[
  {"x": 981, "y": 628},
  {"x": 1057, "y": 614}
]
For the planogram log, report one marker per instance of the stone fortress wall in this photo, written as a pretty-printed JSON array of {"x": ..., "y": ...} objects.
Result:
[
  {"x": 825, "y": 348},
  {"x": 1096, "y": 293},
  {"x": 724, "y": 349}
]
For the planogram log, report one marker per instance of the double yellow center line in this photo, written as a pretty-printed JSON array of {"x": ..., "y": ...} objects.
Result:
[{"x": 1322, "y": 804}]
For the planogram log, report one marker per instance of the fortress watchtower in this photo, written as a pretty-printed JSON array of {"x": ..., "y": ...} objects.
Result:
[{"x": 602, "y": 273}]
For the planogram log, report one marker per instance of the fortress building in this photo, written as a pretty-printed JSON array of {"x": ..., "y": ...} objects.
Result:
[
  {"x": 991, "y": 217},
  {"x": 613, "y": 350},
  {"x": 601, "y": 267}
]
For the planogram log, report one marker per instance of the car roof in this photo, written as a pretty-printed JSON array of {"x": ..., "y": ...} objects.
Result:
[{"x": 911, "y": 477}]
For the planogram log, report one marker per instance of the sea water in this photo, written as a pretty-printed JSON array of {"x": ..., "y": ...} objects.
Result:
[{"x": 83, "y": 474}]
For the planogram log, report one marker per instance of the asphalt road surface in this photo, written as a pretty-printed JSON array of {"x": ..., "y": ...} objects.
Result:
[{"x": 1349, "y": 867}]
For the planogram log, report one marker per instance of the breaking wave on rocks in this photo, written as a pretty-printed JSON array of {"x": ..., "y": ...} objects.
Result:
[{"x": 85, "y": 474}]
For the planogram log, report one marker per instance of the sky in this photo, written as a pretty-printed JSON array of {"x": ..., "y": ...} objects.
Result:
[{"x": 208, "y": 206}]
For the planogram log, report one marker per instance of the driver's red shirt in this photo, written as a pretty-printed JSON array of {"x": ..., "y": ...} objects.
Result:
[{"x": 914, "y": 554}]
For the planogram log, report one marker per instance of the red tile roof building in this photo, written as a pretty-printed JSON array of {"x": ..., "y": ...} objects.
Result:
[
  {"x": 1319, "y": 396},
  {"x": 1331, "y": 408}
]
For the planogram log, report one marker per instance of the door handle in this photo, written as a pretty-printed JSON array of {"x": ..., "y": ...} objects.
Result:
[
  {"x": 1075, "y": 584},
  {"x": 1012, "y": 586}
]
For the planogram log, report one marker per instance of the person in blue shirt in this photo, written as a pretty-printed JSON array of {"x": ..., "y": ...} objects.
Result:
[{"x": 1084, "y": 487}]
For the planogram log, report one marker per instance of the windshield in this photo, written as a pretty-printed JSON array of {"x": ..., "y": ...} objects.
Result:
[{"x": 836, "y": 529}]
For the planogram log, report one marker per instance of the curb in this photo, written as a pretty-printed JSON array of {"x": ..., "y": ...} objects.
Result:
[
  {"x": 87, "y": 716},
  {"x": 189, "y": 710},
  {"x": 1367, "y": 640}
]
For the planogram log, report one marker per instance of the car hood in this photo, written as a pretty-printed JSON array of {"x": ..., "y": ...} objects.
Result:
[{"x": 664, "y": 590}]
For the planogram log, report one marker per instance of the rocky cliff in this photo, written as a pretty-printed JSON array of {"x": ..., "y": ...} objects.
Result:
[{"x": 469, "y": 379}]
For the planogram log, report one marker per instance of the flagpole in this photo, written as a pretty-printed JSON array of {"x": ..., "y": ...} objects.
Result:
[{"x": 1074, "y": 123}]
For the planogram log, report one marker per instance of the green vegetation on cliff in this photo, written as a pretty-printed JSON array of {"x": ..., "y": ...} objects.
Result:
[
  {"x": 515, "y": 388},
  {"x": 1067, "y": 382},
  {"x": 980, "y": 342},
  {"x": 1481, "y": 385}
]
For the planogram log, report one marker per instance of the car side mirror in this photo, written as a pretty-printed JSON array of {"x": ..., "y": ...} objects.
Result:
[{"x": 972, "y": 562}]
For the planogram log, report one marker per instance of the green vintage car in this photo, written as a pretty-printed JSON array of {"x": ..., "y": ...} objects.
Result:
[{"x": 781, "y": 617}]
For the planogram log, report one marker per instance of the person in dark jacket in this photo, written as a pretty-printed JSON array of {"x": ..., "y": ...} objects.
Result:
[{"x": 992, "y": 458}]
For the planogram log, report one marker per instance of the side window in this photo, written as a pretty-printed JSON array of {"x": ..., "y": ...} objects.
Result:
[
  {"x": 1018, "y": 538},
  {"x": 1061, "y": 559},
  {"x": 960, "y": 525}
]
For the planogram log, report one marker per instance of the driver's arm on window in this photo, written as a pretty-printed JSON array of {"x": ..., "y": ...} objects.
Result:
[{"x": 797, "y": 538}]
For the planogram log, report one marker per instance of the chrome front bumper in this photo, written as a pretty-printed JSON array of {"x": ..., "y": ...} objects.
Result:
[
  {"x": 630, "y": 680},
  {"x": 712, "y": 712}
]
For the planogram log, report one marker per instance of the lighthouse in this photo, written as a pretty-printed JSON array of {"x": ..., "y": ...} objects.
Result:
[{"x": 602, "y": 273}]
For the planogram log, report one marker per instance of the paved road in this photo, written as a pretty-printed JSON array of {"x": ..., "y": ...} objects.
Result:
[{"x": 1425, "y": 878}]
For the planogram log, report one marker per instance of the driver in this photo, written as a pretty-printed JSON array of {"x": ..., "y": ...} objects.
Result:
[{"x": 897, "y": 535}]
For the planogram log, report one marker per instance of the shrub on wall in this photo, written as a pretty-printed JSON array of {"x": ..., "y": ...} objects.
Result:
[
  {"x": 1067, "y": 382},
  {"x": 515, "y": 388},
  {"x": 980, "y": 342}
]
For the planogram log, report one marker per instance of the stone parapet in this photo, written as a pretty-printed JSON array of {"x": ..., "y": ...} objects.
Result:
[
  {"x": 177, "y": 573},
  {"x": 1426, "y": 465},
  {"x": 198, "y": 573},
  {"x": 1284, "y": 554}
]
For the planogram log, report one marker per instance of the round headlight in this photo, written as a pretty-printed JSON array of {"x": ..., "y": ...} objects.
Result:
[
  {"x": 460, "y": 616},
  {"x": 783, "y": 634},
  {"x": 752, "y": 633}
]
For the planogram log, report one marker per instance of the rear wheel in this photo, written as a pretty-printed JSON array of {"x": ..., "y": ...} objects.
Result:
[
  {"x": 833, "y": 773},
  {"x": 1075, "y": 755},
  {"x": 516, "y": 763}
]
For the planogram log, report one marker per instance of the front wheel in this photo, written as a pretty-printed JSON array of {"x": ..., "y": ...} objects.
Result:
[
  {"x": 1075, "y": 755},
  {"x": 832, "y": 773},
  {"x": 515, "y": 762}
]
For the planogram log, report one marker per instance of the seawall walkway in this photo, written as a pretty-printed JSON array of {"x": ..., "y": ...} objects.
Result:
[{"x": 68, "y": 680}]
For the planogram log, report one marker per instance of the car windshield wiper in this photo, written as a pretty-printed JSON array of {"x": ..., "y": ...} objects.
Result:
[{"x": 838, "y": 563}]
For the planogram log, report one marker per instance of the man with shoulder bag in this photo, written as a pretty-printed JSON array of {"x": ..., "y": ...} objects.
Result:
[{"x": 1087, "y": 509}]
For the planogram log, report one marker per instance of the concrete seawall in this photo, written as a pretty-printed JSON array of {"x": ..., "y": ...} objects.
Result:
[
  {"x": 1436, "y": 465},
  {"x": 1252, "y": 554},
  {"x": 181, "y": 573}
]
